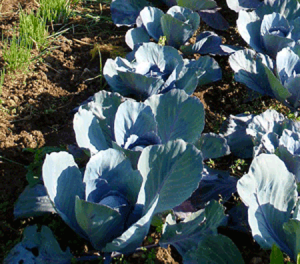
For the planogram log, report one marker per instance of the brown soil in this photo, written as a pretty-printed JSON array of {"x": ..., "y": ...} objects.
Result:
[{"x": 36, "y": 105}]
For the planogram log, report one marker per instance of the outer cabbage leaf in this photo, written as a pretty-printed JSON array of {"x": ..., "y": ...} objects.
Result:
[
  {"x": 208, "y": 43},
  {"x": 234, "y": 129},
  {"x": 213, "y": 146},
  {"x": 135, "y": 36},
  {"x": 287, "y": 8},
  {"x": 278, "y": 90},
  {"x": 289, "y": 151},
  {"x": 188, "y": 79},
  {"x": 134, "y": 235},
  {"x": 249, "y": 69},
  {"x": 259, "y": 189},
  {"x": 33, "y": 201},
  {"x": 214, "y": 184},
  {"x": 165, "y": 168},
  {"x": 166, "y": 58},
  {"x": 151, "y": 21},
  {"x": 214, "y": 249},
  {"x": 63, "y": 181},
  {"x": 177, "y": 116},
  {"x": 267, "y": 144},
  {"x": 238, "y": 5},
  {"x": 47, "y": 249},
  {"x": 188, "y": 233},
  {"x": 268, "y": 121},
  {"x": 100, "y": 222},
  {"x": 214, "y": 19},
  {"x": 88, "y": 132},
  {"x": 197, "y": 5},
  {"x": 207, "y": 10},
  {"x": 292, "y": 84},
  {"x": 292, "y": 230},
  {"x": 125, "y": 12},
  {"x": 104, "y": 108},
  {"x": 248, "y": 24},
  {"x": 140, "y": 85},
  {"x": 211, "y": 69}
]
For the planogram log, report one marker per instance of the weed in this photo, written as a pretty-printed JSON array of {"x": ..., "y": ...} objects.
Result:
[
  {"x": 56, "y": 11},
  {"x": 290, "y": 115},
  {"x": 158, "y": 222},
  {"x": 238, "y": 166},
  {"x": 50, "y": 110},
  {"x": 33, "y": 29},
  {"x": 150, "y": 239},
  {"x": 16, "y": 53},
  {"x": 149, "y": 256},
  {"x": 162, "y": 41},
  {"x": 2, "y": 77},
  {"x": 121, "y": 260},
  {"x": 211, "y": 163}
]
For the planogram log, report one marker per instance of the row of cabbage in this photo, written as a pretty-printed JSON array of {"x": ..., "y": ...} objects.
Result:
[{"x": 146, "y": 152}]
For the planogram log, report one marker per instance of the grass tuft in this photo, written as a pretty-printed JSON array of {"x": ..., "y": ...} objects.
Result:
[
  {"x": 34, "y": 30},
  {"x": 56, "y": 11},
  {"x": 16, "y": 53}
]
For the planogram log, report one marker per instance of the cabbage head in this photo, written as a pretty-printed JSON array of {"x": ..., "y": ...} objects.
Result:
[
  {"x": 111, "y": 121},
  {"x": 154, "y": 69},
  {"x": 125, "y": 12},
  {"x": 110, "y": 204},
  {"x": 272, "y": 26},
  {"x": 279, "y": 79},
  {"x": 271, "y": 133},
  {"x": 178, "y": 25}
]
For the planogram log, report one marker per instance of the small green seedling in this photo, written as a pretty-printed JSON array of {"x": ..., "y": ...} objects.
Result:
[
  {"x": 33, "y": 29},
  {"x": 16, "y": 53},
  {"x": 162, "y": 41}
]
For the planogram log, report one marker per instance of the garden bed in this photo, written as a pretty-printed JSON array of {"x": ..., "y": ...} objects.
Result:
[{"x": 36, "y": 113}]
